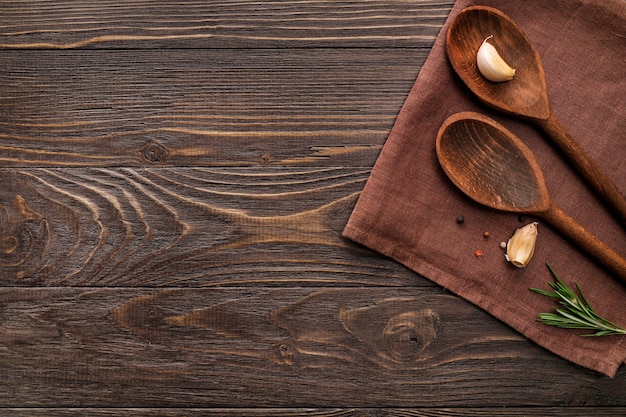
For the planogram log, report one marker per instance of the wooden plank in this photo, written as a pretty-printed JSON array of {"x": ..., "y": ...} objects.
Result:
[
  {"x": 322, "y": 107},
  {"x": 188, "y": 412},
  {"x": 185, "y": 227},
  {"x": 220, "y": 24},
  {"x": 322, "y": 412},
  {"x": 275, "y": 347}
]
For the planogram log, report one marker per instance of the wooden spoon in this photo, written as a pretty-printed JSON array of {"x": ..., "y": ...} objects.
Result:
[
  {"x": 526, "y": 95},
  {"x": 494, "y": 168}
]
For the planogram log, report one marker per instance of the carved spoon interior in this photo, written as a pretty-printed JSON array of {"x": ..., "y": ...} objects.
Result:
[
  {"x": 494, "y": 168},
  {"x": 526, "y": 94}
]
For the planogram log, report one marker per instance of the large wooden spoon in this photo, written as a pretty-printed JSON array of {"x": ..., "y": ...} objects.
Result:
[
  {"x": 526, "y": 94},
  {"x": 494, "y": 168}
]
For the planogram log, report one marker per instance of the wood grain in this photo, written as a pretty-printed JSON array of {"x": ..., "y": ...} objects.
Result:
[
  {"x": 220, "y": 24},
  {"x": 281, "y": 347},
  {"x": 322, "y": 107},
  {"x": 185, "y": 227}
]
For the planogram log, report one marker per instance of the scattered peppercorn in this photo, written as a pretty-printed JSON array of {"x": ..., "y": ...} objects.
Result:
[
  {"x": 478, "y": 252},
  {"x": 486, "y": 234},
  {"x": 503, "y": 245},
  {"x": 460, "y": 219}
]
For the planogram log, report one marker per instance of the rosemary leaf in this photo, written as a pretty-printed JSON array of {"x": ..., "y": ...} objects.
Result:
[{"x": 575, "y": 311}]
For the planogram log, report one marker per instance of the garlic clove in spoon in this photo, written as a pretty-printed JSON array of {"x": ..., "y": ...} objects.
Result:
[{"x": 491, "y": 65}]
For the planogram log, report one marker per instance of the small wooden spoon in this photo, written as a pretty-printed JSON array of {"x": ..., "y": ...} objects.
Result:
[
  {"x": 526, "y": 95},
  {"x": 494, "y": 168}
]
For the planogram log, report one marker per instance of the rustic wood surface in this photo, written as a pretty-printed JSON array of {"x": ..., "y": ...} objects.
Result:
[{"x": 174, "y": 179}]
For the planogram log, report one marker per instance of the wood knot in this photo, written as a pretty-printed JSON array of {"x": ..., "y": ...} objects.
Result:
[
  {"x": 23, "y": 238},
  {"x": 287, "y": 353},
  {"x": 143, "y": 316},
  {"x": 8, "y": 244},
  {"x": 407, "y": 334},
  {"x": 154, "y": 152}
]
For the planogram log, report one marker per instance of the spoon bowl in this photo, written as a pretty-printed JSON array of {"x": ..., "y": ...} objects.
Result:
[
  {"x": 494, "y": 168},
  {"x": 490, "y": 164},
  {"x": 526, "y": 94}
]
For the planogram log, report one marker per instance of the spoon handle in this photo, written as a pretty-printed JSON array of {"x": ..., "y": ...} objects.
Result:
[
  {"x": 586, "y": 241},
  {"x": 591, "y": 171}
]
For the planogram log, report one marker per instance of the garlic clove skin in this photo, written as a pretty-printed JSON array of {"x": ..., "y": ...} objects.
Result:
[
  {"x": 521, "y": 247},
  {"x": 491, "y": 65}
]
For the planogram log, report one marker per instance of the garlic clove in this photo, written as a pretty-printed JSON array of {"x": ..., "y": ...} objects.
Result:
[
  {"x": 521, "y": 247},
  {"x": 491, "y": 65}
]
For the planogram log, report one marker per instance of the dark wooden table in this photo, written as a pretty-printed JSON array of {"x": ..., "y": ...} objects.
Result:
[{"x": 174, "y": 180}]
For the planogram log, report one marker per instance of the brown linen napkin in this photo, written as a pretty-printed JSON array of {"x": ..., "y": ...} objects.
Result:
[{"x": 408, "y": 208}]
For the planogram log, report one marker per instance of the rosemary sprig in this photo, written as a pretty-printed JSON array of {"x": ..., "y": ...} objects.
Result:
[{"x": 575, "y": 313}]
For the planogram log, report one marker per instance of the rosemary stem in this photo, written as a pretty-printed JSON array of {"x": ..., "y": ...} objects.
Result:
[{"x": 575, "y": 312}]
